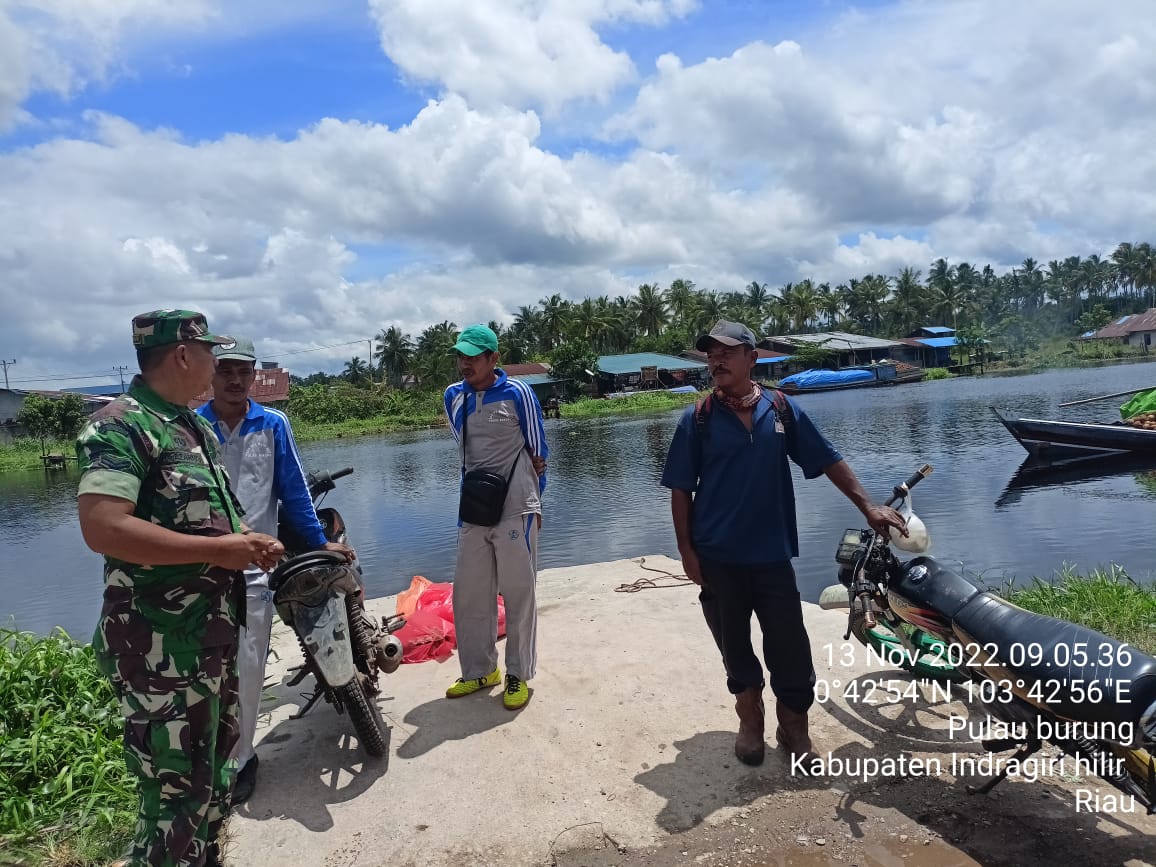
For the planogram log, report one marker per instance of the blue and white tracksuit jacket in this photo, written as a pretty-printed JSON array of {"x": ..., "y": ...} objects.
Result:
[
  {"x": 505, "y": 420},
  {"x": 264, "y": 468}
]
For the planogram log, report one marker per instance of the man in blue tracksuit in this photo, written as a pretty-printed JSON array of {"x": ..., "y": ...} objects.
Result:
[
  {"x": 261, "y": 458},
  {"x": 497, "y": 422}
]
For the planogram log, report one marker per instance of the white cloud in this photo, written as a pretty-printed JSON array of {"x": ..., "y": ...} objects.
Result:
[
  {"x": 978, "y": 131},
  {"x": 63, "y": 45},
  {"x": 519, "y": 53}
]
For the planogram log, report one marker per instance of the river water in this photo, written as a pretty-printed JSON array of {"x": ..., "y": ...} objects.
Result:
[{"x": 604, "y": 501}]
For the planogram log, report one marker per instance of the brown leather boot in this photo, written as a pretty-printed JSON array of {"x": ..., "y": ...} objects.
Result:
[
  {"x": 750, "y": 747},
  {"x": 793, "y": 735}
]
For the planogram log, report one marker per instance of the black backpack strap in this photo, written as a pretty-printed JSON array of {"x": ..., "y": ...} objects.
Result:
[
  {"x": 782, "y": 409},
  {"x": 702, "y": 408}
]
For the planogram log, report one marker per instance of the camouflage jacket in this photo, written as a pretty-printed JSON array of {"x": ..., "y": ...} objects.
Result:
[{"x": 164, "y": 458}]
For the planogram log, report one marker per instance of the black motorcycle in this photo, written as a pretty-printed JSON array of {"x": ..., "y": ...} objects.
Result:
[
  {"x": 322, "y": 597},
  {"x": 1037, "y": 678}
]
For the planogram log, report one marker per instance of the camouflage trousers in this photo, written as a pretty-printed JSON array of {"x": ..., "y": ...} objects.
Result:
[{"x": 180, "y": 730}]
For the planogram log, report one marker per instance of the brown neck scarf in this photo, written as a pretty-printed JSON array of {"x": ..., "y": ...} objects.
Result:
[{"x": 739, "y": 404}]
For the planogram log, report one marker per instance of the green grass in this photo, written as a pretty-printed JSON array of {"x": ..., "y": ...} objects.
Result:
[
  {"x": 643, "y": 401},
  {"x": 936, "y": 373},
  {"x": 24, "y": 453},
  {"x": 66, "y": 797},
  {"x": 305, "y": 431},
  {"x": 1106, "y": 600}
]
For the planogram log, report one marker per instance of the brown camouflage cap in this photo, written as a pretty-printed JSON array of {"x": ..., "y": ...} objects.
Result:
[{"x": 160, "y": 327}]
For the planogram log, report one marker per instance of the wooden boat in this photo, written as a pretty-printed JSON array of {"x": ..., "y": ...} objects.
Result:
[
  {"x": 1063, "y": 441},
  {"x": 861, "y": 376}
]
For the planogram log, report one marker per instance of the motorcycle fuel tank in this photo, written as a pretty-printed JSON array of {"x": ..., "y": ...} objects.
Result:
[{"x": 928, "y": 595}]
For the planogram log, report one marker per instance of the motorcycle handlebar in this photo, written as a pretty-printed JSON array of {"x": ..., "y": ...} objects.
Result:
[
  {"x": 901, "y": 491},
  {"x": 322, "y": 482}
]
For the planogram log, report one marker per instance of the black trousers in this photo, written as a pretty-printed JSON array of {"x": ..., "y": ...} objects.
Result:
[{"x": 730, "y": 594}]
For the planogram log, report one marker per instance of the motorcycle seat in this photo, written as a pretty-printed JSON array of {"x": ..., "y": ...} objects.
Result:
[{"x": 1063, "y": 659}]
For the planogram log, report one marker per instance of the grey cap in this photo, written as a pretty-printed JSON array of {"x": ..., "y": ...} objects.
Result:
[
  {"x": 241, "y": 350},
  {"x": 728, "y": 334}
]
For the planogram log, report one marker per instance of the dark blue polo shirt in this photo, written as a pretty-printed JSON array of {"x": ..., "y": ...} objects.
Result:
[{"x": 744, "y": 501}]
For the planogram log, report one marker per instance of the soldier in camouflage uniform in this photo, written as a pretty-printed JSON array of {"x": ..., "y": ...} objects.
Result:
[{"x": 156, "y": 502}]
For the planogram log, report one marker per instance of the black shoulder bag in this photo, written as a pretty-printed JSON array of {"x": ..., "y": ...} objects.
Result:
[{"x": 483, "y": 492}]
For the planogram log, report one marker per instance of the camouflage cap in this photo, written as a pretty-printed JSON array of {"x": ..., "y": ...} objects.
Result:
[{"x": 161, "y": 327}]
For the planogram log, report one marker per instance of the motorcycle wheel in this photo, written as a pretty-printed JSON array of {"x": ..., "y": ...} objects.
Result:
[
  {"x": 365, "y": 716},
  {"x": 931, "y": 662}
]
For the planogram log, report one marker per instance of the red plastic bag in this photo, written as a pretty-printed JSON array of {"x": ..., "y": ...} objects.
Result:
[{"x": 429, "y": 629}]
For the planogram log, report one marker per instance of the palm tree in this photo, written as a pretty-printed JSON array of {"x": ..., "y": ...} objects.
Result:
[
  {"x": 394, "y": 354},
  {"x": 758, "y": 297},
  {"x": 681, "y": 298},
  {"x": 434, "y": 359},
  {"x": 357, "y": 371},
  {"x": 802, "y": 304},
  {"x": 830, "y": 304},
  {"x": 552, "y": 320},
  {"x": 651, "y": 309},
  {"x": 908, "y": 304}
]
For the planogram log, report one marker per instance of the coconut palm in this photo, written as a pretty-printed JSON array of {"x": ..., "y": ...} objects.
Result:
[
  {"x": 394, "y": 354},
  {"x": 758, "y": 297},
  {"x": 909, "y": 302},
  {"x": 650, "y": 309},
  {"x": 552, "y": 320},
  {"x": 680, "y": 298},
  {"x": 357, "y": 371}
]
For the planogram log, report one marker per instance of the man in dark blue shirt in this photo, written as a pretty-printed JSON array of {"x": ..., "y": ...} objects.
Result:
[{"x": 729, "y": 480}]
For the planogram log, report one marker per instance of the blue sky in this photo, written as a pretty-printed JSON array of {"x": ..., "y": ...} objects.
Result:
[{"x": 314, "y": 173}]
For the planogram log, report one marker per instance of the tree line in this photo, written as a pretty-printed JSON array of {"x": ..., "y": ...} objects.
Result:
[{"x": 1012, "y": 311}]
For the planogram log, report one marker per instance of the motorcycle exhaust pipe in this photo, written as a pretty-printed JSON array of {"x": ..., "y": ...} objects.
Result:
[{"x": 388, "y": 651}]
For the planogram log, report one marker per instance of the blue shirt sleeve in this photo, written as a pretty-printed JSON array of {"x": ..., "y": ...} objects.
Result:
[
  {"x": 533, "y": 426},
  {"x": 682, "y": 459},
  {"x": 292, "y": 489},
  {"x": 452, "y": 393},
  {"x": 806, "y": 444}
]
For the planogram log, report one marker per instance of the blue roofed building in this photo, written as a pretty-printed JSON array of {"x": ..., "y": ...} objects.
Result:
[{"x": 639, "y": 371}]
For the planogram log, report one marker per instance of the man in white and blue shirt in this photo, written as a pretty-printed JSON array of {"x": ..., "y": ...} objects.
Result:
[
  {"x": 264, "y": 469},
  {"x": 497, "y": 422}
]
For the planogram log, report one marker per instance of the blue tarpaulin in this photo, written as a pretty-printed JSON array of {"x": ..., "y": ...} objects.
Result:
[{"x": 815, "y": 378}]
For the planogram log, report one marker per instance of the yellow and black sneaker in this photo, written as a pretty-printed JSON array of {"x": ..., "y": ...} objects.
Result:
[
  {"x": 469, "y": 687},
  {"x": 516, "y": 693}
]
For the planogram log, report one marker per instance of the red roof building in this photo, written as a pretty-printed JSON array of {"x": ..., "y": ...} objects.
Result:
[
  {"x": 271, "y": 386},
  {"x": 524, "y": 369}
]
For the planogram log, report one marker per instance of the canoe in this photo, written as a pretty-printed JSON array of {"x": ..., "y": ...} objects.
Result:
[
  {"x": 864, "y": 376},
  {"x": 1061, "y": 441}
]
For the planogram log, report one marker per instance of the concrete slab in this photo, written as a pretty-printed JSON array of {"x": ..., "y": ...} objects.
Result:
[{"x": 626, "y": 740}]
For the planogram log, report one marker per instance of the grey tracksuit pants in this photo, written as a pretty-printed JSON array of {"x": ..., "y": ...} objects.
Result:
[
  {"x": 252, "y": 652},
  {"x": 491, "y": 560}
]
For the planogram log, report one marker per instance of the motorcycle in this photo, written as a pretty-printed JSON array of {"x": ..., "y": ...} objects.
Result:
[
  {"x": 322, "y": 598},
  {"x": 1039, "y": 679}
]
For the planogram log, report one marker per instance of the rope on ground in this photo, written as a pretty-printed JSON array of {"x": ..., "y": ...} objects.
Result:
[{"x": 666, "y": 579}]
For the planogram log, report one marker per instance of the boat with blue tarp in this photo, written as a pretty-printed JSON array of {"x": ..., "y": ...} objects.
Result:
[{"x": 861, "y": 376}]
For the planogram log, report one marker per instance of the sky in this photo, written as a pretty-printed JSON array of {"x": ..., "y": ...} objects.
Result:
[{"x": 310, "y": 173}]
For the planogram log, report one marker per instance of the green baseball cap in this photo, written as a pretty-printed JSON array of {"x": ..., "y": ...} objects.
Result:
[
  {"x": 241, "y": 350},
  {"x": 161, "y": 327},
  {"x": 477, "y": 339}
]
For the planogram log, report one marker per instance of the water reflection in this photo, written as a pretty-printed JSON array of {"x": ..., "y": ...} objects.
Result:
[
  {"x": 1032, "y": 475},
  {"x": 605, "y": 503}
]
